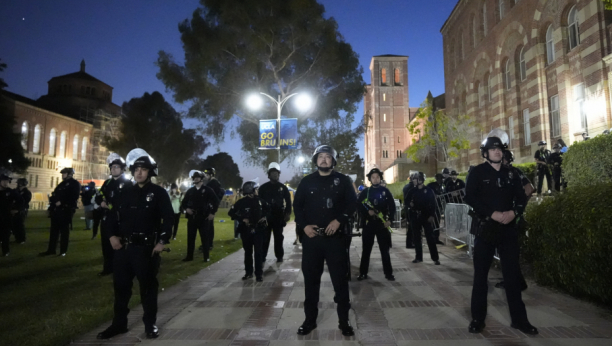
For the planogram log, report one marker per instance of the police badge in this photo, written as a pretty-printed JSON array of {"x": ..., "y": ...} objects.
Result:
[
  {"x": 150, "y": 196},
  {"x": 510, "y": 175},
  {"x": 336, "y": 181},
  {"x": 121, "y": 186}
]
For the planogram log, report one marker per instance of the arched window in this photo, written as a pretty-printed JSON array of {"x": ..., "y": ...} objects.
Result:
[
  {"x": 63, "y": 138},
  {"x": 84, "y": 149},
  {"x": 522, "y": 64},
  {"x": 396, "y": 76},
  {"x": 25, "y": 130},
  {"x": 52, "y": 140},
  {"x": 484, "y": 19},
  {"x": 489, "y": 88},
  {"x": 573, "y": 28},
  {"x": 36, "y": 142},
  {"x": 383, "y": 76},
  {"x": 75, "y": 147},
  {"x": 550, "y": 45},
  {"x": 501, "y": 9},
  {"x": 479, "y": 93},
  {"x": 507, "y": 75}
]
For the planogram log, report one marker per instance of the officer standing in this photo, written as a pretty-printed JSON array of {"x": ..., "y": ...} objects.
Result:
[
  {"x": 200, "y": 205},
  {"x": 215, "y": 185},
  {"x": 405, "y": 190},
  {"x": 19, "y": 218},
  {"x": 497, "y": 199},
  {"x": 278, "y": 198},
  {"x": 323, "y": 203},
  {"x": 374, "y": 203},
  {"x": 251, "y": 213},
  {"x": 556, "y": 160},
  {"x": 542, "y": 157},
  {"x": 141, "y": 224},
  {"x": 422, "y": 203},
  {"x": 108, "y": 198},
  {"x": 10, "y": 205},
  {"x": 439, "y": 188},
  {"x": 62, "y": 204},
  {"x": 454, "y": 186}
]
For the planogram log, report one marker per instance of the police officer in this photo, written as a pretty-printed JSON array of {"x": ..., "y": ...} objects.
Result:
[
  {"x": 454, "y": 186},
  {"x": 497, "y": 199},
  {"x": 372, "y": 203},
  {"x": 408, "y": 187},
  {"x": 556, "y": 159},
  {"x": 10, "y": 205},
  {"x": 141, "y": 224},
  {"x": 422, "y": 210},
  {"x": 446, "y": 175},
  {"x": 439, "y": 188},
  {"x": 19, "y": 218},
  {"x": 251, "y": 212},
  {"x": 215, "y": 185},
  {"x": 278, "y": 197},
  {"x": 542, "y": 157},
  {"x": 200, "y": 205},
  {"x": 62, "y": 204},
  {"x": 108, "y": 198},
  {"x": 323, "y": 203}
]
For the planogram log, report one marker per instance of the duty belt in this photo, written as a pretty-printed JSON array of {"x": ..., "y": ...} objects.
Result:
[{"x": 142, "y": 239}]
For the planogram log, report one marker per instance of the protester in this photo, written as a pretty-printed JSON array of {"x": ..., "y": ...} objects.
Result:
[{"x": 175, "y": 199}]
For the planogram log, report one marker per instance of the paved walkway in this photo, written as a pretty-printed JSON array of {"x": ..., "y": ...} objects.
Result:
[{"x": 427, "y": 305}]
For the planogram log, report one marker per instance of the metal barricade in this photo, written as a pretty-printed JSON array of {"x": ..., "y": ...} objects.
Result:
[{"x": 397, "y": 223}]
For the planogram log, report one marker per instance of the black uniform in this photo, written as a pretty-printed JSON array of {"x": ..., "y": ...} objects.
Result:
[
  {"x": 318, "y": 201},
  {"x": 456, "y": 187},
  {"x": 439, "y": 190},
  {"x": 556, "y": 159},
  {"x": 409, "y": 242},
  {"x": 543, "y": 170},
  {"x": 487, "y": 191},
  {"x": 86, "y": 195},
  {"x": 142, "y": 217},
  {"x": 110, "y": 192},
  {"x": 253, "y": 234},
  {"x": 67, "y": 193},
  {"x": 215, "y": 185},
  {"x": 422, "y": 205},
  {"x": 203, "y": 202},
  {"x": 19, "y": 218},
  {"x": 382, "y": 201},
  {"x": 9, "y": 200},
  {"x": 278, "y": 197}
]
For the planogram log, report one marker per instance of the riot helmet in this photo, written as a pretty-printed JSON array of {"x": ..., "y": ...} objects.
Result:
[
  {"x": 210, "y": 171},
  {"x": 274, "y": 166},
  {"x": 194, "y": 173},
  {"x": 5, "y": 176},
  {"x": 540, "y": 143},
  {"x": 115, "y": 159},
  {"x": 508, "y": 156},
  {"x": 324, "y": 149},
  {"x": 140, "y": 158},
  {"x": 497, "y": 138},
  {"x": 375, "y": 170},
  {"x": 67, "y": 170},
  {"x": 249, "y": 187}
]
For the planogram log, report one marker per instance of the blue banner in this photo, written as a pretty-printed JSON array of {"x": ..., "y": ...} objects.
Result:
[
  {"x": 288, "y": 134},
  {"x": 267, "y": 134}
]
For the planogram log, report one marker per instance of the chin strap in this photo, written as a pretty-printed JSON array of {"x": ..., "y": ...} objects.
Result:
[{"x": 491, "y": 161}]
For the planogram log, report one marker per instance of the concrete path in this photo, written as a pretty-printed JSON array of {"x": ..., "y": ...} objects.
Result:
[{"x": 427, "y": 305}]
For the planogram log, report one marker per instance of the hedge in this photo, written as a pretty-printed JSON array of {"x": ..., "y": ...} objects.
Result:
[
  {"x": 529, "y": 169},
  {"x": 588, "y": 162},
  {"x": 569, "y": 242}
]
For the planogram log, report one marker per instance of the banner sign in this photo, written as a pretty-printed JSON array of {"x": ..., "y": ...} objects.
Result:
[
  {"x": 267, "y": 134},
  {"x": 288, "y": 133}
]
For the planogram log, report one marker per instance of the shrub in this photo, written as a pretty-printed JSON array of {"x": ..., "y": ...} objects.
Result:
[
  {"x": 588, "y": 162},
  {"x": 529, "y": 169},
  {"x": 568, "y": 243}
]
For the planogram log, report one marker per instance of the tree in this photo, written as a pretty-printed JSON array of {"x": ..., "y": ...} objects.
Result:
[
  {"x": 12, "y": 156},
  {"x": 357, "y": 168},
  {"x": 294, "y": 182},
  {"x": 226, "y": 169},
  {"x": 608, "y": 4},
  {"x": 439, "y": 134},
  {"x": 151, "y": 123},
  {"x": 234, "y": 48}
]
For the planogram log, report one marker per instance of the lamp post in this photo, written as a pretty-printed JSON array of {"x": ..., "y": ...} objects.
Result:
[{"x": 303, "y": 102}]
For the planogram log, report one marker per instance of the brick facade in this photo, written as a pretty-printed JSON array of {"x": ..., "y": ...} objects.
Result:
[{"x": 514, "y": 64}]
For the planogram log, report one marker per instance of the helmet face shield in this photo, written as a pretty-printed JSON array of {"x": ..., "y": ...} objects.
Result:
[
  {"x": 140, "y": 158},
  {"x": 115, "y": 159},
  {"x": 249, "y": 187},
  {"x": 324, "y": 149}
]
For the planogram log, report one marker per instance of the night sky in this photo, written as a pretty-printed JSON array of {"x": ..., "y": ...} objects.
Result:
[{"x": 119, "y": 41}]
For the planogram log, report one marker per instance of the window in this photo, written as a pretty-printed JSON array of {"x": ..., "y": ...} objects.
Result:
[
  {"x": 523, "y": 64},
  {"x": 51, "y": 184},
  {"x": 398, "y": 139},
  {"x": 385, "y": 117},
  {"x": 474, "y": 32},
  {"x": 84, "y": 149},
  {"x": 62, "y": 152},
  {"x": 52, "y": 139},
  {"x": 580, "y": 105},
  {"x": 383, "y": 76},
  {"x": 88, "y": 91},
  {"x": 36, "y": 142},
  {"x": 75, "y": 147},
  {"x": 501, "y": 9},
  {"x": 526, "y": 126},
  {"x": 25, "y": 130},
  {"x": 384, "y": 97},
  {"x": 550, "y": 45},
  {"x": 489, "y": 87},
  {"x": 479, "y": 93},
  {"x": 573, "y": 28},
  {"x": 82, "y": 90},
  {"x": 385, "y": 139},
  {"x": 462, "y": 56},
  {"x": 36, "y": 182},
  {"x": 510, "y": 130},
  {"x": 554, "y": 115},
  {"x": 507, "y": 75},
  {"x": 484, "y": 19},
  {"x": 396, "y": 76}
]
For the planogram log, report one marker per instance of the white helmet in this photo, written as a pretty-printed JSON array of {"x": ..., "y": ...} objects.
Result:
[{"x": 275, "y": 166}]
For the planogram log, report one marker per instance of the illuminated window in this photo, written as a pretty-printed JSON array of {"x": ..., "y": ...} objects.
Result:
[
  {"x": 52, "y": 139},
  {"x": 25, "y": 130},
  {"x": 579, "y": 102},
  {"x": 526, "y": 126},
  {"x": 501, "y": 9},
  {"x": 554, "y": 115},
  {"x": 573, "y": 28},
  {"x": 84, "y": 149},
  {"x": 75, "y": 147},
  {"x": 36, "y": 142},
  {"x": 384, "y": 97},
  {"x": 396, "y": 78},
  {"x": 385, "y": 117},
  {"x": 383, "y": 76},
  {"x": 63, "y": 139}
]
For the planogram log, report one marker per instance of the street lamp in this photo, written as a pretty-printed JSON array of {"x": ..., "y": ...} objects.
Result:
[{"x": 303, "y": 102}]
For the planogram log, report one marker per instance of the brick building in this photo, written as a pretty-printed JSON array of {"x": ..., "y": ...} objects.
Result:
[
  {"x": 65, "y": 129},
  {"x": 538, "y": 69}
]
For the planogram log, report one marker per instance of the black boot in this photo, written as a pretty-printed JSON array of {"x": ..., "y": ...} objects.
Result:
[
  {"x": 476, "y": 326},
  {"x": 346, "y": 328},
  {"x": 306, "y": 328},
  {"x": 111, "y": 331}
]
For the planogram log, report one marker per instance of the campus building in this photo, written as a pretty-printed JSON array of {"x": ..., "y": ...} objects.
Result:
[{"x": 538, "y": 69}]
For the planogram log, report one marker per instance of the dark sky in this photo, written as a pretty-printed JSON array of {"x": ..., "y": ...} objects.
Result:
[{"x": 119, "y": 41}]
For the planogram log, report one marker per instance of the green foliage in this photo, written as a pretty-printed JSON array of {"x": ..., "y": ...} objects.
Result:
[
  {"x": 152, "y": 124},
  {"x": 588, "y": 162},
  {"x": 279, "y": 47},
  {"x": 10, "y": 142},
  {"x": 608, "y": 4},
  {"x": 568, "y": 243},
  {"x": 529, "y": 169},
  {"x": 439, "y": 134},
  {"x": 226, "y": 170}
]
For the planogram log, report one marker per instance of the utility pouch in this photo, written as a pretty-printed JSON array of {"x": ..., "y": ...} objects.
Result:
[{"x": 486, "y": 228}]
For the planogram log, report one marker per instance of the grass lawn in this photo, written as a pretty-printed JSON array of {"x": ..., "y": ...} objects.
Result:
[{"x": 50, "y": 300}]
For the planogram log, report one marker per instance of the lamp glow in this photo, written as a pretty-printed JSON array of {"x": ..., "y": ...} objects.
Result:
[
  {"x": 254, "y": 102},
  {"x": 303, "y": 102}
]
